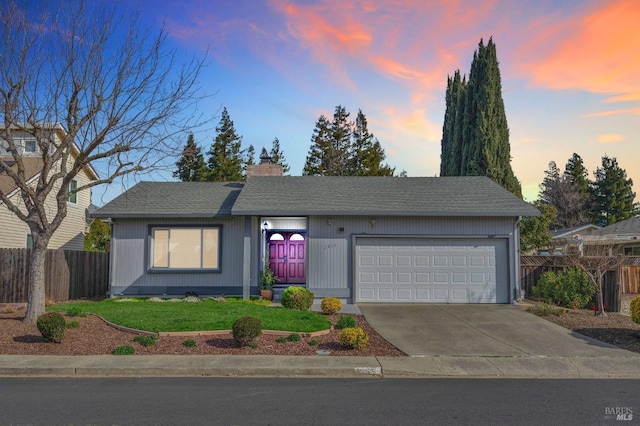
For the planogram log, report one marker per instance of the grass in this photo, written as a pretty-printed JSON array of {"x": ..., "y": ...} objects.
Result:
[{"x": 204, "y": 316}]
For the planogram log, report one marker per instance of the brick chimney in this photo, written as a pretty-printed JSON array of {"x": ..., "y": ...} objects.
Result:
[{"x": 265, "y": 168}]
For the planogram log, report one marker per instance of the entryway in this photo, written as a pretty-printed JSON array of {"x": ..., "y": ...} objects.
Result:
[{"x": 287, "y": 257}]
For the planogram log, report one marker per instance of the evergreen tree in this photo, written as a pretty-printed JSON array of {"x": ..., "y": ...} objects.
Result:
[
  {"x": 317, "y": 163},
  {"x": 613, "y": 194},
  {"x": 577, "y": 173},
  {"x": 340, "y": 142},
  {"x": 277, "y": 156},
  {"x": 248, "y": 160},
  {"x": 98, "y": 236},
  {"x": 479, "y": 124},
  {"x": 534, "y": 231},
  {"x": 225, "y": 156},
  {"x": 191, "y": 166},
  {"x": 366, "y": 154},
  {"x": 559, "y": 191}
]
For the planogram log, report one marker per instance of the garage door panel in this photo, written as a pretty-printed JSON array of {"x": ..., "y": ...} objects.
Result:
[{"x": 431, "y": 270}]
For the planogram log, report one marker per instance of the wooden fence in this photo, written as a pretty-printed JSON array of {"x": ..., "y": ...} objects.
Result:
[
  {"x": 68, "y": 275},
  {"x": 624, "y": 280}
]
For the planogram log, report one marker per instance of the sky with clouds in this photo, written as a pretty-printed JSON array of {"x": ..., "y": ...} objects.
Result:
[{"x": 570, "y": 73}]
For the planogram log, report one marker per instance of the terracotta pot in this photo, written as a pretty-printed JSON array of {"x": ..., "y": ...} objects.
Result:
[{"x": 266, "y": 294}]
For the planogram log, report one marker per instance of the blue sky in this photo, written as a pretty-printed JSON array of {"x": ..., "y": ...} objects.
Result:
[{"x": 569, "y": 70}]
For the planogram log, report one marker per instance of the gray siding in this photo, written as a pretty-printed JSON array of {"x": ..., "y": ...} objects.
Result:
[
  {"x": 330, "y": 251},
  {"x": 130, "y": 251}
]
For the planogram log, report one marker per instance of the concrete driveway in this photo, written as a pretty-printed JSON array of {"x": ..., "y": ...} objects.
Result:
[{"x": 478, "y": 330}]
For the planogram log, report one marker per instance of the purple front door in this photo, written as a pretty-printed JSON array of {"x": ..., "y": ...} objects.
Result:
[{"x": 287, "y": 257}]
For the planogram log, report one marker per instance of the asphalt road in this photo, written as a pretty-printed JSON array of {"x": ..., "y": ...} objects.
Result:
[{"x": 246, "y": 401}]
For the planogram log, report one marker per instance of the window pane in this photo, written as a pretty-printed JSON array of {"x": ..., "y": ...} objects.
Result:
[
  {"x": 73, "y": 185},
  {"x": 160, "y": 248},
  {"x": 30, "y": 145},
  {"x": 185, "y": 248},
  {"x": 210, "y": 252}
]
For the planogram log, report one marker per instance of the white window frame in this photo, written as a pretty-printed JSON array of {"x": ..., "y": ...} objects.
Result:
[
  {"x": 192, "y": 258},
  {"x": 24, "y": 146}
]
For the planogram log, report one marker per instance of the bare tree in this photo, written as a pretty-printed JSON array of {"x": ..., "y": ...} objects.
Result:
[
  {"x": 113, "y": 87},
  {"x": 595, "y": 256}
]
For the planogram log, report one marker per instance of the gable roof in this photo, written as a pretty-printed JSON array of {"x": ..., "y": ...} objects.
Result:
[
  {"x": 629, "y": 226},
  {"x": 423, "y": 196},
  {"x": 564, "y": 232},
  {"x": 173, "y": 199},
  {"x": 32, "y": 167}
]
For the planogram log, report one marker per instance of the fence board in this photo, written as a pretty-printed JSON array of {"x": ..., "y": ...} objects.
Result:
[{"x": 68, "y": 275}]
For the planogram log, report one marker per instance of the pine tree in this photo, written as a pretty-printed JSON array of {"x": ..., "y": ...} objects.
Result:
[
  {"x": 191, "y": 166},
  {"x": 613, "y": 194},
  {"x": 577, "y": 173},
  {"x": 277, "y": 156},
  {"x": 225, "y": 156},
  {"x": 559, "y": 191},
  {"x": 366, "y": 154},
  {"x": 340, "y": 142},
  {"x": 477, "y": 124},
  {"x": 317, "y": 163},
  {"x": 248, "y": 160}
]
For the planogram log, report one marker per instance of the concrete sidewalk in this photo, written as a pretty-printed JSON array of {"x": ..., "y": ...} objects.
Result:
[{"x": 321, "y": 366}]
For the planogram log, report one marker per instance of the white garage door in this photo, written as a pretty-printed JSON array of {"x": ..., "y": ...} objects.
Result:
[{"x": 431, "y": 270}]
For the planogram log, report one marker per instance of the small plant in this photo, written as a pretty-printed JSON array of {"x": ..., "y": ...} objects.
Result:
[
  {"x": 570, "y": 288},
  {"x": 189, "y": 343},
  {"x": 7, "y": 309},
  {"x": 346, "y": 321},
  {"x": 75, "y": 311},
  {"x": 293, "y": 337},
  {"x": 330, "y": 305},
  {"x": 146, "y": 340},
  {"x": 72, "y": 324},
  {"x": 353, "y": 337},
  {"x": 546, "y": 309},
  {"x": 51, "y": 326},
  {"x": 124, "y": 350},
  {"x": 314, "y": 342},
  {"x": 246, "y": 330},
  {"x": 634, "y": 307},
  {"x": 296, "y": 297},
  {"x": 281, "y": 339}
]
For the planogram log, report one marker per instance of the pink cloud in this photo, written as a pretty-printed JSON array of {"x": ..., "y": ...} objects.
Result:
[
  {"x": 610, "y": 138},
  {"x": 623, "y": 111}
]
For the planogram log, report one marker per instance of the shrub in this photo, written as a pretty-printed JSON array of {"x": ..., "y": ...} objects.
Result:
[
  {"x": 570, "y": 288},
  {"x": 296, "y": 297},
  {"x": 346, "y": 321},
  {"x": 75, "y": 311},
  {"x": 124, "y": 350},
  {"x": 51, "y": 326},
  {"x": 281, "y": 339},
  {"x": 314, "y": 342},
  {"x": 293, "y": 337},
  {"x": 246, "y": 330},
  {"x": 72, "y": 324},
  {"x": 635, "y": 309},
  {"x": 189, "y": 343},
  {"x": 353, "y": 337},
  {"x": 330, "y": 305},
  {"x": 146, "y": 340}
]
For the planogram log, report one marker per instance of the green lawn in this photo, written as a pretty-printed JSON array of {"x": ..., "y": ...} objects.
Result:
[{"x": 202, "y": 316}]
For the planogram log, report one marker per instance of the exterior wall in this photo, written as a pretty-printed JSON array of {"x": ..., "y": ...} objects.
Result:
[
  {"x": 130, "y": 260},
  {"x": 70, "y": 234},
  {"x": 330, "y": 247}
]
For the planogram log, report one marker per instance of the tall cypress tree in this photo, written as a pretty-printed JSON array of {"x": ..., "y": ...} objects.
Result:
[
  {"x": 225, "y": 156},
  {"x": 475, "y": 131},
  {"x": 191, "y": 166}
]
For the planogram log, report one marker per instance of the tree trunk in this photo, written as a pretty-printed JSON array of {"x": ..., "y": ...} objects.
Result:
[
  {"x": 37, "y": 295},
  {"x": 599, "y": 296}
]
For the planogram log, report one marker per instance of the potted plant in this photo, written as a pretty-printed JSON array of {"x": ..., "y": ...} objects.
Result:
[{"x": 267, "y": 280}]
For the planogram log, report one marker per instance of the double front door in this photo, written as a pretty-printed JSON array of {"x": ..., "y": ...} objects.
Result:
[{"x": 287, "y": 257}]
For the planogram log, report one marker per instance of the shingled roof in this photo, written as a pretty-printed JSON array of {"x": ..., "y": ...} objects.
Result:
[
  {"x": 173, "y": 199},
  {"x": 422, "y": 196}
]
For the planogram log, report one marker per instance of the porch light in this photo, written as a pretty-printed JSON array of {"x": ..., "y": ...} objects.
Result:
[{"x": 265, "y": 227}]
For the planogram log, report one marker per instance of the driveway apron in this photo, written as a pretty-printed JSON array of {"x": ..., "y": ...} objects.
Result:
[{"x": 478, "y": 330}]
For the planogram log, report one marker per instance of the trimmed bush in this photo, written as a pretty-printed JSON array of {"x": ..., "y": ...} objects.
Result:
[
  {"x": 353, "y": 337},
  {"x": 189, "y": 343},
  {"x": 570, "y": 288},
  {"x": 330, "y": 305},
  {"x": 635, "y": 309},
  {"x": 346, "y": 321},
  {"x": 124, "y": 350},
  {"x": 296, "y": 297},
  {"x": 246, "y": 330},
  {"x": 51, "y": 326}
]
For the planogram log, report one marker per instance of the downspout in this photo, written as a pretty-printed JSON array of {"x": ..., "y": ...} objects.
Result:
[{"x": 518, "y": 290}]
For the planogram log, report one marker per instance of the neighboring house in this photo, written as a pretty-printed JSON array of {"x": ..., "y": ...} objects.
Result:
[
  {"x": 565, "y": 238},
  {"x": 361, "y": 239},
  {"x": 624, "y": 236},
  {"x": 15, "y": 233}
]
